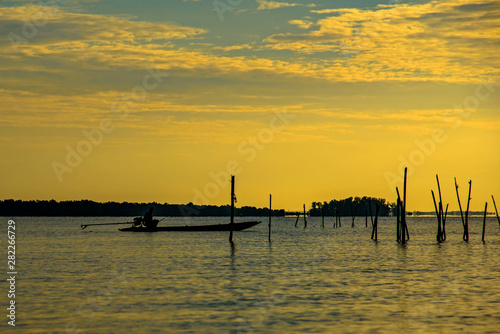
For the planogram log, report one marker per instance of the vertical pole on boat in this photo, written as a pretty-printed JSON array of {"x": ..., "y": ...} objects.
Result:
[
  {"x": 305, "y": 220},
  {"x": 232, "y": 209},
  {"x": 270, "y": 213}
]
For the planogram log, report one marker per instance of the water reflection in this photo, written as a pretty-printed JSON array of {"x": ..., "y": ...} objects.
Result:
[{"x": 309, "y": 280}]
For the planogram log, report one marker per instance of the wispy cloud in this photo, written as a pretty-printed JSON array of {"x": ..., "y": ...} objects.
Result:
[
  {"x": 62, "y": 26},
  {"x": 304, "y": 24},
  {"x": 449, "y": 40},
  {"x": 263, "y": 5}
]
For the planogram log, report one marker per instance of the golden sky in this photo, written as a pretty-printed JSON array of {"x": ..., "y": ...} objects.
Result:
[{"x": 307, "y": 100}]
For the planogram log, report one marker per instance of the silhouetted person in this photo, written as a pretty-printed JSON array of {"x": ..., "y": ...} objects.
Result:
[{"x": 148, "y": 221}]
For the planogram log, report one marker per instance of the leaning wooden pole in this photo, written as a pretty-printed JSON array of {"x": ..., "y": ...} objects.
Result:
[
  {"x": 460, "y": 205},
  {"x": 375, "y": 223},
  {"x": 438, "y": 216},
  {"x": 496, "y": 211},
  {"x": 484, "y": 219},
  {"x": 403, "y": 211},
  {"x": 270, "y": 214},
  {"x": 440, "y": 234},
  {"x": 232, "y": 210},
  {"x": 297, "y": 220},
  {"x": 444, "y": 222},
  {"x": 466, "y": 232},
  {"x": 398, "y": 218},
  {"x": 398, "y": 214}
]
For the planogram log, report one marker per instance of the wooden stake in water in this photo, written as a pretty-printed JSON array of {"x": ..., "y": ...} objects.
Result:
[
  {"x": 375, "y": 223},
  {"x": 484, "y": 219},
  {"x": 297, "y": 220},
  {"x": 305, "y": 220},
  {"x": 440, "y": 237},
  {"x": 403, "y": 211},
  {"x": 460, "y": 205},
  {"x": 438, "y": 215},
  {"x": 466, "y": 232},
  {"x": 496, "y": 211},
  {"x": 232, "y": 209},
  {"x": 444, "y": 221},
  {"x": 270, "y": 214},
  {"x": 398, "y": 218}
]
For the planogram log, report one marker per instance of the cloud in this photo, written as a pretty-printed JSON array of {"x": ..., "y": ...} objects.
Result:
[
  {"x": 263, "y": 5},
  {"x": 48, "y": 24},
  {"x": 448, "y": 40},
  {"x": 234, "y": 47},
  {"x": 304, "y": 24}
]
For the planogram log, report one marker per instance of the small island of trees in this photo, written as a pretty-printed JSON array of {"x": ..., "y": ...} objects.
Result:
[{"x": 352, "y": 206}]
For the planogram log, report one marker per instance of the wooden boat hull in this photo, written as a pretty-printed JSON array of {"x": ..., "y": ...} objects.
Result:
[{"x": 194, "y": 228}]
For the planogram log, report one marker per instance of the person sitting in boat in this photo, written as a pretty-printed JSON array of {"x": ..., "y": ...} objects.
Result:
[{"x": 148, "y": 221}]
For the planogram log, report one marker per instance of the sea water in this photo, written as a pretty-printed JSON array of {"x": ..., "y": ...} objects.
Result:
[{"x": 307, "y": 280}]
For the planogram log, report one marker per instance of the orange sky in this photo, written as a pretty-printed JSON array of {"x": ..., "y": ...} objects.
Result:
[{"x": 307, "y": 100}]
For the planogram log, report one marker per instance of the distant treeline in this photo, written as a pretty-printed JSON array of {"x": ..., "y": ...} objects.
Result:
[
  {"x": 90, "y": 208},
  {"x": 349, "y": 206}
]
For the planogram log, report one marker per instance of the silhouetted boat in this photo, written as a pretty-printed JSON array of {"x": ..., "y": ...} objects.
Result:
[{"x": 194, "y": 228}]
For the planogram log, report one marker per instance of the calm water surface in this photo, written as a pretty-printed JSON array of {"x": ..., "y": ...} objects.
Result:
[{"x": 313, "y": 280}]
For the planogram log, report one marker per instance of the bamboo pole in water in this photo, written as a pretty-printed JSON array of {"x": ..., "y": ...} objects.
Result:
[
  {"x": 496, "y": 211},
  {"x": 438, "y": 216},
  {"x": 484, "y": 219},
  {"x": 375, "y": 223},
  {"x": 444, "y": 222},
  {"x": 370, "y": 208},
  {"x": 297, "y": 221},
  {"x": 398, "y": 213},
  {"x": 270, "y": 214},
  {"x": 305, "y": 220},
  {"x": 398, "y": 218},
  {"x": 466, "y": 231},
  {"x": 403, "y": 213},
  {"x": 232, "y": 209},
  {"x": 441, "y": 211},
  {"x": 460, "y": 205}
]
